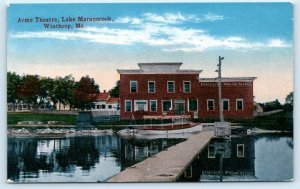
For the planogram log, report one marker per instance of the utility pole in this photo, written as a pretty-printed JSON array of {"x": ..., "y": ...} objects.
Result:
[{"x": 219, "y": 70}]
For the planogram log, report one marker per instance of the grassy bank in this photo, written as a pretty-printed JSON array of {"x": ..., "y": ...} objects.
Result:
[
  {"x": 278, "y": 121},
  {"x": 14, "y": 118}
]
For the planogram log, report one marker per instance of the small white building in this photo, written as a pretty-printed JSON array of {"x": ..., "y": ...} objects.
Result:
[
  {"x": 258, "y": 108},
  {"x": 106, "y": 105}
]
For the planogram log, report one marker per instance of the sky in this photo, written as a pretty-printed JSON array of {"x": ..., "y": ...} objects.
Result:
[{"x": 256, "y": 40}]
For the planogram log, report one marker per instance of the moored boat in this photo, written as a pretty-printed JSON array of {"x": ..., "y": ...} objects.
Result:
[
  {"x": 170, "y": 129},
  {"x": 166, "y": 130}
]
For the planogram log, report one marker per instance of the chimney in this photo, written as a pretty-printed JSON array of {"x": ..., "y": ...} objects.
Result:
[{"x": 104, "y": 91}]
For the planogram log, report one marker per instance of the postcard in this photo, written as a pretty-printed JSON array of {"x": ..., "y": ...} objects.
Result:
[{"x": 150, "y": 92}]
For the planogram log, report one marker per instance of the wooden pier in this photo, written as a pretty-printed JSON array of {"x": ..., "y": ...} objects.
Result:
[{"x": 168, "y": 165}]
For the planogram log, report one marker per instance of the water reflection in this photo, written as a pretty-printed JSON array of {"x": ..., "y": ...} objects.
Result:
[
  {"x": 96, "y": 158},
  {"x": 76, "y": 159},
  {"x": 266, "y": 157},
  {"x": 133, "y": 151}
]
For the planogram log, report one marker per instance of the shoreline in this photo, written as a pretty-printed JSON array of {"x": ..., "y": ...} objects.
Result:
[
  {"x": 57, "y": 132},
  {"x": 90, "y": 131}
]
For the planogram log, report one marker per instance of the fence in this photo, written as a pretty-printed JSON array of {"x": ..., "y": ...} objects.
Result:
[
  {"x": 105, "y": 113},
  {"x": 259, "y": 114}
]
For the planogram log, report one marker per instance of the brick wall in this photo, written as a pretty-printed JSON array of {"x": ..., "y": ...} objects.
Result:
[
  {"x": 231, "y": 91},
  {"x": 199, "y": 90}
]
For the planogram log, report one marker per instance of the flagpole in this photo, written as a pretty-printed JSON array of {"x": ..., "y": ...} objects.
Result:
[{"x": 220, "y": 89}]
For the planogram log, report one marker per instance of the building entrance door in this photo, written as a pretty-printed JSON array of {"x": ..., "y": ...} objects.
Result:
[{"x": 179, "y": 107}]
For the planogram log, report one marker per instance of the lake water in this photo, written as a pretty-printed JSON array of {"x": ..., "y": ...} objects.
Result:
[
  {"x": 96, "y": 158},
  {"x": 264, "y": 157},
  {"x": 77, "y": 159}
]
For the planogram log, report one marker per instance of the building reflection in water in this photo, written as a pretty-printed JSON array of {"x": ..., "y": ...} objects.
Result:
[
  {"x": 231, "y": 160},
  {"x": 134, "y": 151},
  {"x": 77, "y": 159},
  {"x": 96, "y": 158}
]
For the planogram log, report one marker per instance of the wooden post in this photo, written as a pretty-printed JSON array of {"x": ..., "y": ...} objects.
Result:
[{"x": 219, "y": 70}]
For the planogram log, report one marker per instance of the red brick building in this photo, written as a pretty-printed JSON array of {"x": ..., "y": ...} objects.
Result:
[{"x": 163, "y": 89}]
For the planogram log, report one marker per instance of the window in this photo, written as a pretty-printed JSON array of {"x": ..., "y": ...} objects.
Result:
[
  {"x": 171, "y": 87},
  {"x": 128, "y": 105},
  {"x": 239, "y": 104},
  {"x": 140, "y": 105},
  {"x": 240, "y": 150},
  {"x": 193, "y": 105},
  {"x": 151, "y": 86},
  {"x": 210, "y": 104},
  {"x": 109, "y": 106},
  {"x": 211, "y": 151},
  {"x": 187, "y": 86},
  {"x": 133, "y": 86},
  {"x": 153, "y": 105},
  {"x": 103, "y": 106},
  {"x": 226, "y": 105},
  {"x": 167, "y": 104}
]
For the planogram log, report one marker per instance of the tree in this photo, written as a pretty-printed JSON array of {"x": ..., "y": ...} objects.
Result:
[
  {"x": 86, "y": 91},
  {"x": 115, "y": 92},
  {"x": 289, "y": 102},
  {"x": 272, "y": 105},
  {"x": 46, "y": 95},
  {"x": 28, "y": 90},
  {"x": 13, "y": 81},
  {"x": 65, "y": 90}
]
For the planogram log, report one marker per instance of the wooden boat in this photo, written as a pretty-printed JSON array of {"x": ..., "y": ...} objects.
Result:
[
  {"x": 170, "y": 129},
  {"x": 166, "y": 129},
  {"x": 179, "y": 125}
]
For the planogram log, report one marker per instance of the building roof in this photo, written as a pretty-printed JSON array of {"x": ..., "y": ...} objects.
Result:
[
  {"x": 112, "y": 100},
  {"x": 159, "y": 63},
  {"x": 228, "y": 79},
  {"x": 103, "y": 96},
  {"x": 159, "y": 68}
]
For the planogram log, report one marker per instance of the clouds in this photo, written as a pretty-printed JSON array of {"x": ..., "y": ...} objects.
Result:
[
  {"x": 166, "y": 31},
  {"x": 277, "y": 43},
  {"x": 170, "y": 18},
  {"x": 212, "y": 17},
  {"x": 129, "y": 20}
]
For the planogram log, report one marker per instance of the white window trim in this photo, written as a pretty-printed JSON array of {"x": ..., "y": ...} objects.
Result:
[
  {"x": 237, "y": 150},
  {"x": 189, "y": 105},
  {"x": 154, "y": 87},
  {"x": 226, "y": 99},
  {"x": 213, "y": 104},
  {"x": 190, "y": 87},
  {"x": 162, "y": 105},
  {"x": 131, "y": 81},
  {"x": 236, "y": 104},
  {"x": 208, "y": 154},
  {"x": 130, "y": 105},
  {"x": 150, "y": 105},
  {"x": 134, "y": 109},
  {"x": 173, "y": 86}
]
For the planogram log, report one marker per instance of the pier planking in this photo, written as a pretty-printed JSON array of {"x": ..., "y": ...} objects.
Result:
[{"x": 168, "y": 165}]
